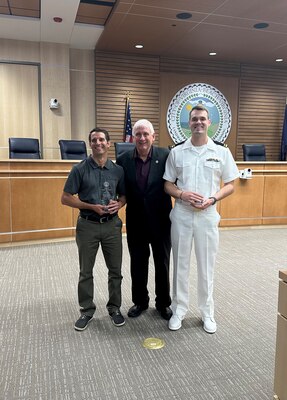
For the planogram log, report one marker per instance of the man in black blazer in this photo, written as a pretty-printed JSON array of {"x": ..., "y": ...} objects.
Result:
[{"x": 147, "y": 219}]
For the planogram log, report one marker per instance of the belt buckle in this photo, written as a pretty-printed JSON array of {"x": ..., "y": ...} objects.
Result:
[
  {"x": 195, "y": 209},
  {"x": 103, "y": 220}
]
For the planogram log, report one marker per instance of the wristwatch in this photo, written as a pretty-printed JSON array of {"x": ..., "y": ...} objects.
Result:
[{"x": 214, "y": 199}]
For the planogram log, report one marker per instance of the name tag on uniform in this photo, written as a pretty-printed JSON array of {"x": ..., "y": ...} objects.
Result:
[{"x": 213, "y": 159}]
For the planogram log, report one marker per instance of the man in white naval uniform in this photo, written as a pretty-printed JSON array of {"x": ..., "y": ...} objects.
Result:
[{"x": 193, "y": 174}]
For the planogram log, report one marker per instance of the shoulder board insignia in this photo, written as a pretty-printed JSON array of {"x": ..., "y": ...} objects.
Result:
[
  {"x": 176, "y": 144},
  {"x": 220, "y": 144}
]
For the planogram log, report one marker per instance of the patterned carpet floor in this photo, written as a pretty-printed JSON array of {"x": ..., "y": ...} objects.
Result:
[{"x": 42, "y": 357}]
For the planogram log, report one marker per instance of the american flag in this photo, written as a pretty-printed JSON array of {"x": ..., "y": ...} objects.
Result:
[{"x": 128, "y": 138}]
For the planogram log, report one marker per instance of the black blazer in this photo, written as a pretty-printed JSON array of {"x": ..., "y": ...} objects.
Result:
[{"x": 154, "y": 205}]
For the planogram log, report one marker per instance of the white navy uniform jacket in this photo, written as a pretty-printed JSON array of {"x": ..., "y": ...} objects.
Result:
[{"x": 200, "y": 171}]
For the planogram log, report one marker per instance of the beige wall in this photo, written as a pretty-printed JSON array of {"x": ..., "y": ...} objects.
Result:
[
  {"x": 67, "y": 75},
  {"x": 55, "y": 83},
  {"x": 19, "y": 100},
  {"x": 82, "y": 89}
]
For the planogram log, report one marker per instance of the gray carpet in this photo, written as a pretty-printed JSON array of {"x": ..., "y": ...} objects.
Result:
[{"x": 43, "y": 357}]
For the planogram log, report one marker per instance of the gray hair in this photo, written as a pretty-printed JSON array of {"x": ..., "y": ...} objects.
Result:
[{"x": 143, "y": 123}]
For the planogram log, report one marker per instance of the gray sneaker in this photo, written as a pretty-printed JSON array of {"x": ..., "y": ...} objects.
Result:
[
  {"x": 117, "y": 318},
  {"x": 82, "y": 322}
]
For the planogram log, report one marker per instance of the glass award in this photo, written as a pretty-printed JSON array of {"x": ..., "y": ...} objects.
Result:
[{"x": 106, "y": 195}]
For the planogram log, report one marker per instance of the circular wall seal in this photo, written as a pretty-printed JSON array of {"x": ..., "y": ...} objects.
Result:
[{"x": 189, "y": 96}]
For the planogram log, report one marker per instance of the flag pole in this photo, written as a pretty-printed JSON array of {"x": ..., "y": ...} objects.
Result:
[{"x": 128, "y": 125}]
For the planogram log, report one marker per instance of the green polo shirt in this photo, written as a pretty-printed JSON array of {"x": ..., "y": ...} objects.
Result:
[{"x": 91, "y": 182}]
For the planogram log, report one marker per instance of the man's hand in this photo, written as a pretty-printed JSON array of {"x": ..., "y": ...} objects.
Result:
[
  {"x": 194, "y": 199},
  {"x": 113, "y": 206}
]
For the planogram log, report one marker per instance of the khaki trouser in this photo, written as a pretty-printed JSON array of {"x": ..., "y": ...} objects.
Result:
[{"x": 89, "y": 235}]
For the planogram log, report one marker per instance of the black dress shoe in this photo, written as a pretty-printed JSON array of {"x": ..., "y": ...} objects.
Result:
[
  {"x": 165, "y": 312},
  {"x": 135, "y": 311}
]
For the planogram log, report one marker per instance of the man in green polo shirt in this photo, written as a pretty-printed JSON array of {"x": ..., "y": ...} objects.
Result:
[{"x": 100, "y": 189}]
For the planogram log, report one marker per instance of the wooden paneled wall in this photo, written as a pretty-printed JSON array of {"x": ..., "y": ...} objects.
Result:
[
  {"x": 190, "y": 66},
  {"x": 257, "y": 100},
  {"x": 117, "y": 75},
  {"x": 262, "y": 98}
]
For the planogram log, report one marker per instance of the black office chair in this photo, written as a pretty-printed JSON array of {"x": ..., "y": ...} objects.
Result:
[
  {"x": 73, "y": 149},
  {"x": 122, "y": 147},
  {"x": 254, "y": 152},
  {"x": 26, "y": 148}
]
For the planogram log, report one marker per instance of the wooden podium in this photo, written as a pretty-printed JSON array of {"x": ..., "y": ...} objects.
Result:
[
  {"x": 280, "y": 377},
  {"x": 30, "y": 201},
  {"x": 31, "y": 209}
]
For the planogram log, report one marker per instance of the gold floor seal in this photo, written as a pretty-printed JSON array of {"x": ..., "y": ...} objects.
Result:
[{"x": 153, "y": 343}]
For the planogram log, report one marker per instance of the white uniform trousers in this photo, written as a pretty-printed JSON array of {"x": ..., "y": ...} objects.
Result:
[{"x": 190, "y": 225}]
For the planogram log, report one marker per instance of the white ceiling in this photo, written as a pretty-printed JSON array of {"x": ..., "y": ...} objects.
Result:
[{"x": 46, "y": 30}]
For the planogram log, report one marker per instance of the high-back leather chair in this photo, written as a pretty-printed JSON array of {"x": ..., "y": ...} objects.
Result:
[
  {"x": 122, "y": 147},
  {"x": 73, "y": 149},
  {"x": 254, "y": 152},
  {"x": 26, "y": 148}
]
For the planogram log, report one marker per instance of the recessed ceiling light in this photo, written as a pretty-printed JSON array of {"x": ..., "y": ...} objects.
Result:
[
  {"x": 139, "y": 46},
  {"x": 279, "y": 59},
  {"x": 261, "y": 25},
  {"x": 183, "y": 15},
  {"x": 212, "y": 53}
]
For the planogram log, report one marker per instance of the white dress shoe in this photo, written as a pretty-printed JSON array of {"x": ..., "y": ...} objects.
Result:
[
  {"x": 175, "y": 322},
  {"x": 209, "y": 325}
]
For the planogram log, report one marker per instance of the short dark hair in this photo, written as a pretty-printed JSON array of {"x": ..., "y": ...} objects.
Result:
[
  {"x": 98, "y": 130},
  {"x": 199, "y": 107}
]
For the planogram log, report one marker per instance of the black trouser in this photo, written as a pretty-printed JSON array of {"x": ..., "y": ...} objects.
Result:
[{"x": 139, "y": 238}]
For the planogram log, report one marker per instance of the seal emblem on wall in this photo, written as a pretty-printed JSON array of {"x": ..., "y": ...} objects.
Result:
[{"x": 189, "y": 96}]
